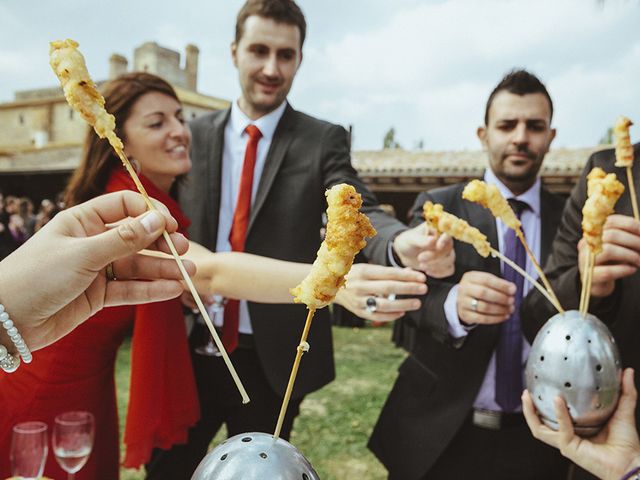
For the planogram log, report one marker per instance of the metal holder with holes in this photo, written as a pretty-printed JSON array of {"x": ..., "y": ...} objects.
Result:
[
  {"x": 577, "y": 358},
  {"x": 255, "y": 456}
]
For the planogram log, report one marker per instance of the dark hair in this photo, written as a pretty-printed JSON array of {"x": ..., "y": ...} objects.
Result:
[
  {"x": 518, "y": 82},
  {"x": 98, "y": 158},
  {"x": 282, "y": 11}
]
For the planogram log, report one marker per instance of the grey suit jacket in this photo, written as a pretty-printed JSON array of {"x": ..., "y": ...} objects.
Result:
[
  {"x": 306, "y": 157},
  {"x": 439, "y": 381}
]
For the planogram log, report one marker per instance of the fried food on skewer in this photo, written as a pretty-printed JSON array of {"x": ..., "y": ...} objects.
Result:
[
  {"x": 624, "y": 158},
  {"x": 346, "y": 231},
  {"x": 624, "y": 149},
  {"x": 603, "y": 191},
  {"x": 81, "y": 93},
  {"x": 456, "y": 227},
  {"x": 489, "y": 196}
]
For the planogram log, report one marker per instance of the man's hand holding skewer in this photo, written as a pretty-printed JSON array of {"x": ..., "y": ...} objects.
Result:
[
  {"x": 620, "y": 256},
  {"x": 484, "y": 298},
  {"x": 425, "y": 250}
]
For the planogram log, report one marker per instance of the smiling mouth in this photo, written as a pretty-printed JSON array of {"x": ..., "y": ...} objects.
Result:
[{"x": 177, "y": 149}]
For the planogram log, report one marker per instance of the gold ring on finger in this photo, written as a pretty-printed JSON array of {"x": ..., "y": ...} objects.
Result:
[{"x": 111, "y": 276}]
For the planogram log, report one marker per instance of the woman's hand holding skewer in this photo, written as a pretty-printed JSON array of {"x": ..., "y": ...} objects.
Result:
[
  {"x": 383, "y": 284},
  {"x": 57, "y": 279}
]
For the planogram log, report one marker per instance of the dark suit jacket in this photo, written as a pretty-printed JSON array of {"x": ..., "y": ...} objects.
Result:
[
  {"x": 306, "y": 157},
  {"x": 439, "y": 381},
  {"x": 621, "y": 310}
]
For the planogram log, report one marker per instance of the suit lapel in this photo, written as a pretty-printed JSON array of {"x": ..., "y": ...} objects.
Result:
[
  {"x": 215, "y": 138},
  {"x": 279, "y": 145},
  {"x": 550, "y": 215}
]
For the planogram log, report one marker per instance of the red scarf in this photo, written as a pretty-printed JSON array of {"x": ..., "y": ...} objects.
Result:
[{"x": 163, "y": 399}]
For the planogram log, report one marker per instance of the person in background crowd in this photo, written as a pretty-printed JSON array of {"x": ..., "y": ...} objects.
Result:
[
  {"x": 28, "y": 218},
  {"x": 46, "y": 212}
]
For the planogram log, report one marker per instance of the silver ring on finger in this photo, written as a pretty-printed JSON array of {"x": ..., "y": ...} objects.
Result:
[
  {"x": 371, "y": 305},
  {"x": 474, "y": 304}
]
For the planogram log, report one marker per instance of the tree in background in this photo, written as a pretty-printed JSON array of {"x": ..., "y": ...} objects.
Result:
[
  {"x": 607, "y": 138},
  {"x": 389, "y": 140}
]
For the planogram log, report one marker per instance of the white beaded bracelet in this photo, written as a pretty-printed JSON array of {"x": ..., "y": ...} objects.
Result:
[{"x": 8, "y": 362}]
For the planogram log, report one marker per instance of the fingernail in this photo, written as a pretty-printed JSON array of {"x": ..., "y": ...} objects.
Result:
[
  {"x": 151, "y": 222},
  {"x": 415, "y": 304}
]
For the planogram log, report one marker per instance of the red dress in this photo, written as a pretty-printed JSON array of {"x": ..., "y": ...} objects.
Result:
[{"x": 77, "y": 373}]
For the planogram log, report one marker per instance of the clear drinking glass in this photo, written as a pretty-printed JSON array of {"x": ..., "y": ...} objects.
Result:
[
  {"x": 73, "y": 434},
  {"x": 210, "y": 349},
  {"x": 29, "y": 448}
]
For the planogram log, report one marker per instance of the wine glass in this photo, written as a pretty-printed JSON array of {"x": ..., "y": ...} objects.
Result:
[
  {"x": 29, "y": 448},
  {"x": 210, "y": 349},
  {"x": 73, "y": 440}
]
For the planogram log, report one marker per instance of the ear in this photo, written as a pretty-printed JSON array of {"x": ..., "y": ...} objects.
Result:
[
  {"x": 234, "y": 53},
  {"x": 481, "y": 132},
  {"x": 552, "y": 136}
]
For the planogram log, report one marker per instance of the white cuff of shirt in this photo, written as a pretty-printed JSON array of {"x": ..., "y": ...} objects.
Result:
[
  {"x": 456, "y": 329},
  {"x": 390, "y": 256}
]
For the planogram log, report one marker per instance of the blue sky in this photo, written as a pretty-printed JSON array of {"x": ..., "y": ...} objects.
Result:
[{"x": 423, "y": 67}]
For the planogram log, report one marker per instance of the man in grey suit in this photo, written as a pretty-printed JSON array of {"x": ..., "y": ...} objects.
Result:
[
  {"x": 293, "y": 159},
  {"x": 454, "y": 411}
]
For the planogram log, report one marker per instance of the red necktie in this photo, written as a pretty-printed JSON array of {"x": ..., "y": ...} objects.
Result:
[{"x": 238, "y": 233}]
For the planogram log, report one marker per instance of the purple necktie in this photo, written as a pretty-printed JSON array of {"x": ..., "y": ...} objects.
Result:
[{"x": 509, "y": 351}]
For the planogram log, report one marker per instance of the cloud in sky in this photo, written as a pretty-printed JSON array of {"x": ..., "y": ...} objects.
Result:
[{"x": 424, "y": 67}]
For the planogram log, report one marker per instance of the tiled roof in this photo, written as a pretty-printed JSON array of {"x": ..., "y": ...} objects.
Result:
[
  {"x": 402, "y": 163},
  {"x": 381, "y": 163},
  {"x": 63, "y": 158}
]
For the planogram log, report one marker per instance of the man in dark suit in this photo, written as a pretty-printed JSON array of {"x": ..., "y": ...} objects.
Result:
[
  {"x": 454, "y": 411},
  {"x": 260, "y": 171},
  {"x": 616, "y": 281}
]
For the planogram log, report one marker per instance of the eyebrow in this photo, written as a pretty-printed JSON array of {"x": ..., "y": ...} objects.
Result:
[{"x": 179, "y": 110}]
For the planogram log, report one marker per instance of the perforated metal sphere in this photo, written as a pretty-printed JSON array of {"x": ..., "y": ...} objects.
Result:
[
  {"x": 255, "y": 456},
  {"x": 577, "y": 358}
]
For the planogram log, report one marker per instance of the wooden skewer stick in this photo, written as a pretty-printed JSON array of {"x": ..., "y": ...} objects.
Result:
[
  {"x": 187, "y": 279},
  {"x": 302, "y": 347},
  {"x": 530, "y": 279},
  {"x": 591, "y": 260},
  {"x": 585, "y": 284},
  {"x": 632, "y": 193},
  {"x": 538, "y": 268}
]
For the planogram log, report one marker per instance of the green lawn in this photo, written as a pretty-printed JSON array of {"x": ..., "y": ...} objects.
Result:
[{"x": 334, "y": 423}]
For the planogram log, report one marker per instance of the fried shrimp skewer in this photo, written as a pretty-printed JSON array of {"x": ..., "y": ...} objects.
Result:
[
  {"x": 603, "y": 191},
  {"x": 624, "y": 157},
  {"x": 81, "y": 93},
  {"x": 346, "y": 232},
  {"x": 445, "y": 222},
  {"x": 489, "y": 196}
]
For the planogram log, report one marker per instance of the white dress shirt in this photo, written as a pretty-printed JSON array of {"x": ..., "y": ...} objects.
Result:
[
  {"x": 235, "y": 143},
  {"x": 531, "y": 227}
]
